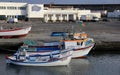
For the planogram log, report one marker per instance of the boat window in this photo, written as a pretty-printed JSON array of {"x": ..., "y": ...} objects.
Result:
[
  {"x": 1, "y": 28},
  {"x": 60, "y": 46},
  {"x": 78, "y": 43},
  {"x": 81, "y": 43},
  {"x": 22, "y": 51}
]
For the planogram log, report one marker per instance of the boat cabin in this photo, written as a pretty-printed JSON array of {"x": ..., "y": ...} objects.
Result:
[
  {"x": 80, "y": 35},
  {"x": 74, "y": 43}
]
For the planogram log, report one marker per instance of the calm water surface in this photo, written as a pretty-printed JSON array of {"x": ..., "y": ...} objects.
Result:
[{"x": 97, "y": 64}]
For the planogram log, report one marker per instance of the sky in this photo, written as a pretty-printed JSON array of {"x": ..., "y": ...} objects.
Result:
[{"x": 67, "y": 1}]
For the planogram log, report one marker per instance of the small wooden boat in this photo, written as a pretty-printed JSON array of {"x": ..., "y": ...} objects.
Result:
[
  {"x": 13, "y": 33},
  {"x": 27, "y": 57}
]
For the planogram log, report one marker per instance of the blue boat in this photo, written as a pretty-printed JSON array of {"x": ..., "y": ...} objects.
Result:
[{"x": 59, "y": 34}]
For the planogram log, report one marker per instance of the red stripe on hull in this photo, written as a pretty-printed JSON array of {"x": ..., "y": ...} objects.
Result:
[
  {"x": 9, "y": 30},
  {"x": 79, "y": 57},
  {"x": 14, "y": 36}
]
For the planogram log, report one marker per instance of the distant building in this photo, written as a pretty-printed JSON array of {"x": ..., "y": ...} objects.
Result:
[
  {"x": 114, "y": 14},
  {"x": 92, "y": 7},
  {"x": 12, "y": 9},
  {"x": 63, "y": 13},
  {"x": 41, "y": 12}
]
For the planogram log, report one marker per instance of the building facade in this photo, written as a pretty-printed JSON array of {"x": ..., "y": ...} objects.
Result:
[
  {"x": 10, "y": 9},
  {"x": 114, "y": 14},
  {"x": 40, "y": 12}
]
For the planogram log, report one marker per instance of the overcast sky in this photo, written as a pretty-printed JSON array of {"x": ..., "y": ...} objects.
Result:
[{"x": 67, "y": 1}]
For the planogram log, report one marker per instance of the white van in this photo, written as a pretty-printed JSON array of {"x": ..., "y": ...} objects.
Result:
[
  {"x": 12, "y": 20},
  {"x": 89, "y": 17}
]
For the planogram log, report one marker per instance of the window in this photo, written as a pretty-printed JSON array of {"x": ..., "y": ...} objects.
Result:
[
  {"x": 22, "y": 8},
  {"x": 78, "y": 43},
  {"x": 2, "y": 17},
  {"x": 12, "y": 8},
  {"x": 2, "y": 7},
  {"x": 15, "y": 8}
]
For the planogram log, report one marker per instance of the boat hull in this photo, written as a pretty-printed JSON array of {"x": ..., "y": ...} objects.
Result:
[
  {"x": 78, "y": 52},
  {"x": 82, "y": 52},
  {"x": 13, "y": 33},
  {"x": 61, "y": 62},
  {"x": 42, "y": 59}
]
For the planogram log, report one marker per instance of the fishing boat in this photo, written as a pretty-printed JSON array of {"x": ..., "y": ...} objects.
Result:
[
  {"x": 81, "y": 48},
  {"x": 84, "y": 44},
  {"x": 14, "y": 32},
  {"x": 80, "y": 43},
  {"x": 30, "y": 57}
]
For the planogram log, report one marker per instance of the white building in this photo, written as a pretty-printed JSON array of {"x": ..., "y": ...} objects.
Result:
[
  {"x": 114, "y": 14},
  {"x": 38, "y": 11},
  {"x": 11, "y": 9}
]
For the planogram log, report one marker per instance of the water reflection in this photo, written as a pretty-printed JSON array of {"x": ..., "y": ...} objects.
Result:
[
  {"x": 77, "y": 66},
  {"x": 95, "y": 64}
]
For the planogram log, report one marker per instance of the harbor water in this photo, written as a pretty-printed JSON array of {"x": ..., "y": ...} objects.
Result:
[{"x": 95, "y": 64}]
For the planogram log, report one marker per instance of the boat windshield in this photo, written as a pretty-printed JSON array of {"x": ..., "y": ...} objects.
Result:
[{"x": 26, "y": 48}]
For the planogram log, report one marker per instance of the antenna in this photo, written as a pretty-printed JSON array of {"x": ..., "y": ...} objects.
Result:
[{"x": 51, "y": 3}]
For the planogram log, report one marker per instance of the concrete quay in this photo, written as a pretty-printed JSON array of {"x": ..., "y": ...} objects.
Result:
[{"x": 105, "y": 34}]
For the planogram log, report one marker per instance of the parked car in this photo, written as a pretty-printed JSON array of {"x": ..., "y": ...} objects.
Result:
[
  {"x": 12, "y": 20},
  {"x": 89, "y": 17}
]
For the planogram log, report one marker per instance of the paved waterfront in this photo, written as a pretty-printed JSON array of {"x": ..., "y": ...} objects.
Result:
[{"x": 102, "y": 32}]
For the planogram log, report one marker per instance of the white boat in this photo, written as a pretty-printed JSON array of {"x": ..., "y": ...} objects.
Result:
[
  {"x": 79, "y": 42},
  {"x": 17, "y": 32},
  {"x": 24, "y": 58},
  {"x": 81, "y": 48}
]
